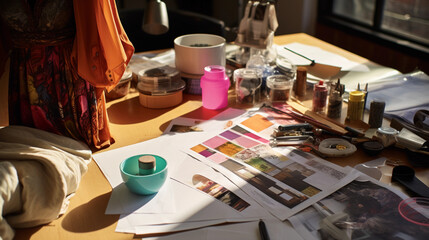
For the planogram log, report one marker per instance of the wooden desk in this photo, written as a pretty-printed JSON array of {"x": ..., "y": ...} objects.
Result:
[{"x": 131, "y": 123}]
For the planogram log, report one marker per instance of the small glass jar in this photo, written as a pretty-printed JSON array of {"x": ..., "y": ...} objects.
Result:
[
  {"x": 279, "y": 88},
  {"x": 248, "y": 85},
  {"x": 335, "y": 104}
]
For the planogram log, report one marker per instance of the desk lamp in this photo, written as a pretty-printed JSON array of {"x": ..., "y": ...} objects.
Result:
[{"x": 155, "y": 20}]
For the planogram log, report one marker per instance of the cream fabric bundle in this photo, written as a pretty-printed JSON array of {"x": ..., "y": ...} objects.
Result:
[{"x": 38, "y": 173}]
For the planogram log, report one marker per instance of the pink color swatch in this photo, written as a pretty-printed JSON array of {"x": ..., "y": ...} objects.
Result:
[
  {"x": 256, "y": 137},
  {"x": 245, "y": 142},
  {"x": 218, "y": 158},
  {"x": 215, "y": 142}
]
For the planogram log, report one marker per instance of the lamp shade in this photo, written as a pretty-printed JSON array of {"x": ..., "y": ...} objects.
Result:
[{"x": 155, "y": 20}]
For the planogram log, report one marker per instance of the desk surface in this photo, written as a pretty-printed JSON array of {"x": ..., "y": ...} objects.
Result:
[{"x": 131, "y": 123}]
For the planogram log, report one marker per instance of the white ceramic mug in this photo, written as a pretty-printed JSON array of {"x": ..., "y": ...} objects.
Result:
[{"x": 196, "y": 51}]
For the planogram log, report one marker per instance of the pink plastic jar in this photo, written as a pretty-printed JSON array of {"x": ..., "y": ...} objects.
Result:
[{"x": 214, "y": 85}]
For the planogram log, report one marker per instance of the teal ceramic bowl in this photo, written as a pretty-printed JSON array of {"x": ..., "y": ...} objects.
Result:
[{"x": 143, "y": 184}]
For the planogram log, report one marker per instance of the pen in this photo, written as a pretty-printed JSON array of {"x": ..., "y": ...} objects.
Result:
[
  {"x": 263, "y": 230},
  {"x": 312, "y": 60}
]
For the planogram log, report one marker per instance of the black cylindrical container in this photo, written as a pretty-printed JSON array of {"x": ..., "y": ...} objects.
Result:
[{"x": 376, "y": 112}]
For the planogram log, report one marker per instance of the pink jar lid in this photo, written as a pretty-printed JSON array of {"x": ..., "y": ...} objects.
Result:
[
  {"x": 214, "y": 72},
  {"x": 215, "y": 75}
]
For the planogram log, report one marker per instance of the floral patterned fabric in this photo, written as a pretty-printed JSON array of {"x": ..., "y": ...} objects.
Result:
[
  {"x": 46, "y": 93},
  {"x": 46, "y": 88}
]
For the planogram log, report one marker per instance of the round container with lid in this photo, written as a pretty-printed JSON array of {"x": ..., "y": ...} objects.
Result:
[
  {"x": 279, "y": 88},
  {"x": 160, "y": 87}
]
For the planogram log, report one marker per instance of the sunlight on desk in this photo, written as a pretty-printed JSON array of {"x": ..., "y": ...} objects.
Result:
[{"x": 286, "y": 183}]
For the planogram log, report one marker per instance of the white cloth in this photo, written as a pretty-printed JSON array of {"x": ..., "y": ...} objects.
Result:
[{"x": 38, "y": 173}]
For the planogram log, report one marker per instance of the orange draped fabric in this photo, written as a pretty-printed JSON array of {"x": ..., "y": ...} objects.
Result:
[{"x": 101, "y": 50}]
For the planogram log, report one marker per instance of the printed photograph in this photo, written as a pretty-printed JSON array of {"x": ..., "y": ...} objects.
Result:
[
  {"x": 294, "y": 175},
  {"x": 287, "y": 197},
  {"x": 361, "y": 210},
  {"x": 184, "y": 129},
  {"x": 219, "y": 192}
]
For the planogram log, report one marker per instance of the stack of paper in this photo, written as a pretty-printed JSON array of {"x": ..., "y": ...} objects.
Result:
[{"x": 224, "y": 171}]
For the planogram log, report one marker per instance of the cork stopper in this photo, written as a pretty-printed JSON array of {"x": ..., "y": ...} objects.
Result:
[{"x": 147, "y": 164}]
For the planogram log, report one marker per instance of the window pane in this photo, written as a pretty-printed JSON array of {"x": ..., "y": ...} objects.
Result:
[
  {"x": 359, "y": 10},
  {"x": 410, "y": 17}
]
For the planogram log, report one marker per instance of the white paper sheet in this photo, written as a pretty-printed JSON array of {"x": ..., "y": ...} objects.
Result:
[
  {"x": 123, "y": 201},
  {"x": 218, "y": 122},
  {"x": 192, "y": 205},
  {"x": 376, "y": 73},
  {"x": 177, "y": 227},
  {"x": 195, "y": 209},
  {"x": 277, "y": 230},
  {"x": 319, "y": 55},
  {"x": 128, "y": 202}
]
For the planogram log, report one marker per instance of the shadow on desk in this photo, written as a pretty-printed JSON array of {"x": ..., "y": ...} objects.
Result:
[
  {"x": 90, "y": 219},
  {"x": 27, "y": 233},
  {"x": 130, "y": 111}
]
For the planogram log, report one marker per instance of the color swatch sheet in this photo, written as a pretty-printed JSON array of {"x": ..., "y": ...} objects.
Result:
[{"x": 283, "y": 180}]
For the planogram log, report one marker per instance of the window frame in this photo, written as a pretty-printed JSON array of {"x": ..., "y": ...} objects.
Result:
[{"x": 372, "y": 32}]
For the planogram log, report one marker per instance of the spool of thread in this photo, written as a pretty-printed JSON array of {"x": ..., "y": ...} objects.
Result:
[
  {"x": 147, "y": 164},
  {"x": 376, "y": 112},
  {"x": 320, "y": 97},
  {"x": 301, "y": 82},
  {"x": 356, "y": 105}
]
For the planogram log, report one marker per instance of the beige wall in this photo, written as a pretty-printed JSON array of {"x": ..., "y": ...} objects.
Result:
[{"x": 295, "y": 16}]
